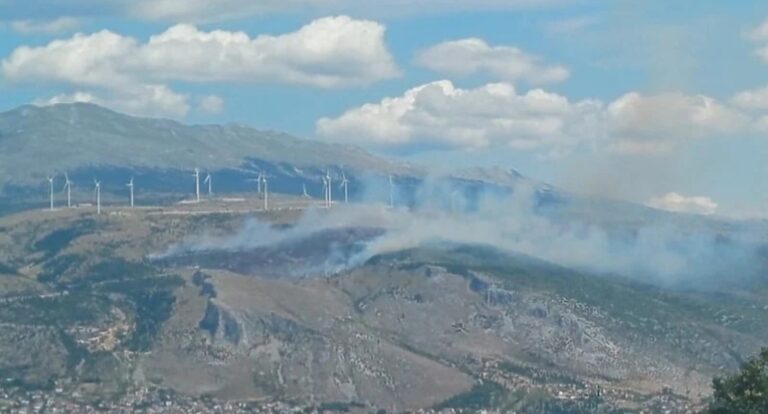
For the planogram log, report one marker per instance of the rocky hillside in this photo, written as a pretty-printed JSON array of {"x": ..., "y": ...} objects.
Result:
[
  {"x": 441, "y": 325},
  {"x": 70, "y": 137},
  {"x": 87, "y": 141}
]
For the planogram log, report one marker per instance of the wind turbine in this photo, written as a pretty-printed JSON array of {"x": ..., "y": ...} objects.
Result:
[
  {"x": 98, "y": 196},
  {"x": 391, "y": 192},
  {"x": 345, "y": 186},
  {"x": 325, "y": 191},
  {"x": 266, "y": 192},
  {"x": 259, "y": 179},
  {"x": 68, "y": 188},
  {"x": 208, "y": 180},
  {"x": 329, "y": 190},
  {"x": 131, "y": 186},
  {"x": 197, "y": 184},
  {"x": 51, "y": 178}
]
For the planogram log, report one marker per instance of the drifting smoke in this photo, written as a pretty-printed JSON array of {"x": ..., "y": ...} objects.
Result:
[{"x": 667, "y": 250}]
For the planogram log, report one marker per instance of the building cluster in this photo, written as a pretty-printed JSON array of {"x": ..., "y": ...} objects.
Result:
[
  {"x": 571, "y": 392},
  {"x": 140, "y": 401}
]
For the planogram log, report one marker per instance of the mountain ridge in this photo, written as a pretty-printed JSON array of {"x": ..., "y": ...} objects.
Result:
[{"x": 90, "y": 135}]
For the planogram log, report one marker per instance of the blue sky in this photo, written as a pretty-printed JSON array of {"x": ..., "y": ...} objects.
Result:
[{"x": 658, "y": 102}]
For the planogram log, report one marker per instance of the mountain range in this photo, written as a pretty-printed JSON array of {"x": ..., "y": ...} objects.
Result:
[{"x": 479, "y": 289}]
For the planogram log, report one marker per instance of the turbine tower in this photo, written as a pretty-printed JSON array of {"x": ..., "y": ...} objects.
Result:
[
  {"x": 391, "y": 192},
  {"x": 50, "y": 183},
  {"x": 197, "y": 184},
  {"x": 266, "y": 192},
  {"x": 325, "y": 192},
  {"x": 208, "y": 180},
  {"x": 304, "y": 192},
  {"x": 345, "y": 186},
  {"x": 98, "y": 196},
  {"x": 329, "y": 188},
  {"x": 68, "y": 188},
  {"x": 259, "y": 179},
  {"x": 131, "y": 186}
]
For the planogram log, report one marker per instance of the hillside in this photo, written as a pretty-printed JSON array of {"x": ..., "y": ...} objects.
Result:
[
  {"x": 88, "y": 142},
  {"x": 479, "y": 289},
  {"x": 442, "y": 324},
  {"x": 75, "y": 136}
]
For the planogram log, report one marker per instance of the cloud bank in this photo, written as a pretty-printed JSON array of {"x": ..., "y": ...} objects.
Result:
[
  {"x": 213, "y": 10},
  {"x": 50, "y": 27},
  {"x": 506, "y": 63},
  {"x": 681, "y": 204},
  {"x": 327, "y": 53},
  {"x": 439, "y": 114}
]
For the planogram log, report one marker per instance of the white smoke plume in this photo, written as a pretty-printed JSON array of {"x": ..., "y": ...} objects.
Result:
[{"x": 662, "y": 249}]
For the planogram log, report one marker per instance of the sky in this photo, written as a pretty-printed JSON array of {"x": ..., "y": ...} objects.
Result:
[{"x": 657, "y": 102}]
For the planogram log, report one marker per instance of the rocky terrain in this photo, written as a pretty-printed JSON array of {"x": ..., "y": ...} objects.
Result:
[
  {"x": 479, "y": 289},
  {"x": 88, "y": 308}
]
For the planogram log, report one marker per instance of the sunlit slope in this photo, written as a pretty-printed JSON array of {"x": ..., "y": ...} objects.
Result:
[
  {"x": 37, "y": 141},
  {"x": 385, "y": 328}
]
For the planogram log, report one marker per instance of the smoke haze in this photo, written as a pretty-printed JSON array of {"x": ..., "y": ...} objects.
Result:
[{"x": 658, "y": 248}]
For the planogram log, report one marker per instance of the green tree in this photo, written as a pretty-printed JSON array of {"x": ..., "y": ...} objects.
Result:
[{"x": 745, "y": 392}]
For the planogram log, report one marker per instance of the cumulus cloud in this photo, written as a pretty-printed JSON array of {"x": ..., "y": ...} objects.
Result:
[
  {"x": 56, "y": 26},
  {"x": 328, "y": 52},
  {"x": 682, "y": 204},
  {"x": 759, "y": 35},
  {"x": 66, "y": 98},
  {"x": 208, "y": 10},
  {"x": 440, "y": 114},
  {"x": 146, "y": 100},
  {"x": 754, "y": 99},
  {"x": 648, "y": 123},
  {"x": 211, "y": 104},
  {"x": 469, "y": 56},
  {"x": 91, "y": 60},
  {"x": 754, "y": 102}
]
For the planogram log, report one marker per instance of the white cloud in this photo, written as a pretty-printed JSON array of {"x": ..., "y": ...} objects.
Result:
[
  {"x": 67, "y": 98},
  {"x": 146, "y": 100},
  {"x": 655, "y": 123},
  {"x": 439, "y": 114},
  {"x": 682, "y": 204},
  {"x": 212, "y": 10},
  {"x": 57, "y": 26},
  {"x": 206, "y": 10},
  {"x": 91, "y": 60},
  {"x": 755, "y": 102},
  {"x": 328, "y": 52},
  {"x": 211, "y": 104},
  {"x": 151, "y": 100},
  {"x": 469, "y": 56},
  {"x": 755, "y": 99},
  {"x": 759, "y": 35}
]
